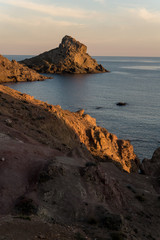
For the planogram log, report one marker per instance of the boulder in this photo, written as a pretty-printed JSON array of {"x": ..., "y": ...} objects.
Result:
[
  {"x": 70, "y": 57},
  {"x": 121, "y": 104},
  {"x": 12, "y": 71}
]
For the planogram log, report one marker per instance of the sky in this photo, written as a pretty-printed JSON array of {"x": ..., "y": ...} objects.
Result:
[{"x": 106, "y": 27}]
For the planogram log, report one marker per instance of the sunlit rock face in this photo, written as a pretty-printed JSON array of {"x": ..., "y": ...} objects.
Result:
[
  {"x": 12, "y": 71},
  {"x": 70, "y": 57}
]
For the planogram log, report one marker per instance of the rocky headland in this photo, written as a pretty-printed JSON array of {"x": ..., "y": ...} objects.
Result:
[
  {"x": 64, "y": 177},
  {"x": 70, "y": 57},
  {"x": 12, "y": 71}
]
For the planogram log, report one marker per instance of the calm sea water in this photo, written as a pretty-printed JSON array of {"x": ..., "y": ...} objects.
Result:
[{"x": 132, "y": 80}]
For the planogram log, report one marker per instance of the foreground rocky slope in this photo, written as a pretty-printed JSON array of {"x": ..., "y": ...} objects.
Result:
[
  {"x": 12, "y": 71},
  {"x": 55, "y": 125},
  {"x": 64, "y": 174},
  {"x": 70, "y": 57}
]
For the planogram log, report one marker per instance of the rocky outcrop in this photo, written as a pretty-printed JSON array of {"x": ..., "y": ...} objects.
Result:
[
  {"x": 70, "y": 57},
  {"x": 121, "y": 104},
  {"x": 151, "y": 166},
  {"x": 12, "y": 71},
  {"x": 74, "y": 130},
  {"x": 103, "y": 145}
]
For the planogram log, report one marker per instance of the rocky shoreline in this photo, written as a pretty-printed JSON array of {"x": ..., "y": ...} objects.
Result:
[
  {"x": 71, "y": 178},
  {"x": 12, "y": 71}
]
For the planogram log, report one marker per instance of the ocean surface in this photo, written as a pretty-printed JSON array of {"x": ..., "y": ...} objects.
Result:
[{"x": 133, "y": 80}]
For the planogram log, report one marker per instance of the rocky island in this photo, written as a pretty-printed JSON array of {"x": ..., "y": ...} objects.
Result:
[
  {"x": 12, "y": 71},
  {"x": 64, "y": 177},
  {"x": 70, "y": 57}
]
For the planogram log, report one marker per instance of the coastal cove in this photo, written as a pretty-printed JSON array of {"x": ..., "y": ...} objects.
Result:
[{"x": 132, "y": 80}]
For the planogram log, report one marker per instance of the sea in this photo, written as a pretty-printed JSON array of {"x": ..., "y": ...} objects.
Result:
[{"x": 133, "y": 80}]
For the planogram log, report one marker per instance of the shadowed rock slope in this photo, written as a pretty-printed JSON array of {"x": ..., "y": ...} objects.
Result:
[
  {"x": 59, "y": 170},
  {"x": 70, "y": 57},
  {"x": 12, "y": 71},
  {"x": 151, "y": 167}
]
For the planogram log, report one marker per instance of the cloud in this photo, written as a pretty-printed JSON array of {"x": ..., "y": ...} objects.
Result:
[
  {"x": 99, "y": 1},
  {"x": 35, "y": 22},
  {"x": 149, "y": 16},
  {"x": 52, "y": 9}
]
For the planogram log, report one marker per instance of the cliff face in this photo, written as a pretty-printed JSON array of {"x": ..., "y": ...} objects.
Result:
[
  {"x": 70, "y": 57},
  {"x": 104, "y": 146},
  {"x": 12, "y": 71},
  {"x": 73, "y": 130}
]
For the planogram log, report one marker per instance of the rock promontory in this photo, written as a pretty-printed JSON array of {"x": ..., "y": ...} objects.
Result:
[
  {"x": 70, "y": 57},
  {"x": 12, "y": 71}
]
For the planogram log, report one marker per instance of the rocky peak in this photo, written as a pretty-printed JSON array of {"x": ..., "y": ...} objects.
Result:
[
  {"x": 70, "y": 57},
  {"x": 70, "y": 44}
]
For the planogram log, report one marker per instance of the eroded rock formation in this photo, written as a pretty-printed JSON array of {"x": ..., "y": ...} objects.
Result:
[
  {"x": 70, "y": 57},
  {"x": 12, "y": 71}
]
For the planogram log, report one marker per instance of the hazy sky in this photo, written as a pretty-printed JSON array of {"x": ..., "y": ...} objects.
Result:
[{"x": 107, "y": 27}]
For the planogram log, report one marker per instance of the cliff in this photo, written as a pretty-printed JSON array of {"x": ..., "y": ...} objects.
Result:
[
  {"x": 70, "y": 129},
  {"x": 70, "y": 57},
  {"x": 12, "y": 71},
  {"x": 69, "y": 177}
]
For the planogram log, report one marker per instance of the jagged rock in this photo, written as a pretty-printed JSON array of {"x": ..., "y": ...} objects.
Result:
[
  {"x": 152, "y": 166},
  {"x": 12, "y": 71},
  {"x": 80, "y": 112},
  {"x": 70, "y": 57}
]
